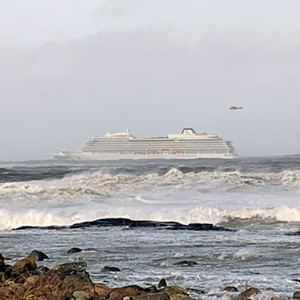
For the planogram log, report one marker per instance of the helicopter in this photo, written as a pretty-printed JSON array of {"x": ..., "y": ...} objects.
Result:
[{"x": 235, "y": 107}]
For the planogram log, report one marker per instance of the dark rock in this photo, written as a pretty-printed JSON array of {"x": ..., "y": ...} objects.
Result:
[
  {"x": 52, "y": 227},
  {"x": 103, "y": 223},
  {"x": 293, "y": 233},
  {"x": 185, "y": 263},
  {"x": 110, "y": 269},
  {"x": 38, "y": 255},
  {"x": 162, "y": 283},
  {"x": 124, "y": 222},
  {"x": 230, "y": 289},
  {"x": 2, "y": 266},
  {"x": 74, "y": 250},
  {"x": 156, "y": 224},
  {"x": 2, "y": 258}
]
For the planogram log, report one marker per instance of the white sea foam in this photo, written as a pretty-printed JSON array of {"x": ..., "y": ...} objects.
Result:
[
  {"x": 69, "y": 214},
  {"x": 245, "y": 254}
]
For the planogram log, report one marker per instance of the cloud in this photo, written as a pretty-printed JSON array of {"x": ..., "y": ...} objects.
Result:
[
  {"x": 153, "y": 82},
  {"x": 119, "y": 8}
]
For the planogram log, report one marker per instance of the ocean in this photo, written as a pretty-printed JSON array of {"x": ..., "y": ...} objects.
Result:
[{"x": 257, "y": 197}]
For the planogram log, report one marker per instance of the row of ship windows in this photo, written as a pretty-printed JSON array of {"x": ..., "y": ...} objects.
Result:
[
  {"x": 164, "y": 152},
  {"x": 122, "y": 146},
  {"x": 158, "y": 143}
]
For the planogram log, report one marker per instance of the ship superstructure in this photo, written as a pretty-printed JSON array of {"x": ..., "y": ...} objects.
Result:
[{"x": 123, "y": 145}]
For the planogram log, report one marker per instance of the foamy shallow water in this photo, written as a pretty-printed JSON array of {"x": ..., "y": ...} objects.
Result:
[{"x": 266, "y": 259}]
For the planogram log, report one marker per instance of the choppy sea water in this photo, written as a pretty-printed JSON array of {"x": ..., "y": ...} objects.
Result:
[{"x": 258, "y": 197}]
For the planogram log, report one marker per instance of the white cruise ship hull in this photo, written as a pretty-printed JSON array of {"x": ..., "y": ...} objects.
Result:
[
  {"x": 79, "y": 155},
  {"x": 124, "y": 146}
]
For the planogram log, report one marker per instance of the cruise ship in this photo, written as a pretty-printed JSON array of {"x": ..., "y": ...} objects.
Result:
[{"x": 123, "y": 145}]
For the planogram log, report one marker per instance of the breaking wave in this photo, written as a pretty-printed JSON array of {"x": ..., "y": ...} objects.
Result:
[
  {"x": 101, "y": 184},
  {"x": 230, "y": 218},
  {"x": 220, "y": 192}
]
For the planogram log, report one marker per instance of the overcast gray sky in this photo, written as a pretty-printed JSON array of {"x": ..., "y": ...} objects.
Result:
[{"x": 71, "y": 69}]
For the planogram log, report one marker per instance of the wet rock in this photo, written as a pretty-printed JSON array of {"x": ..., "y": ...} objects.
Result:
[
  {"x": 130, "y": 290},
  {"x": 296, "y": 295},
  {"x": 12, "y": 290},
  {"x": 247, "y": 293},
  {"x": 162, "y": 283},
  {"x": 74, "y": 250},
  {"x": 2, "y": 266},
  {"x": 174, "y": 289},
  {"x": 180, "y": 297},
  {"x": 102, "y": 289},
  {"x": 83, "y": 295},
  {"x": 38, "y": 255},
  {"x": 31, "y": 282},
  {"x": 52, "y": 227},
  {"x": 117, "y": 296},
  {"x": 196, "y": 291},
  {"x": 2, "y": 258},
  {"x": 151, "y": 289},
  {"x": 42, "y": 269},
  {"x": 70, "y": 268},
  {"x": 103, "y": 223},
  {"x": 61, "y": 281},
  {"x": 110, "y": 269},
  {"x": 230, "y": 289},
  {"x": 152, "y": 296},
  {"x": 186, "y": 263},
  {"x": 124, "y": 222},
  {"x": 24, "y": 265}
]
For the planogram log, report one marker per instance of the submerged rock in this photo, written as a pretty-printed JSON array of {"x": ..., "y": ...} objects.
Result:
[
  {"x": 110, "y": 269},
  {"x": 230, "y": 289},
  {"x": 185, "y": 263},
  {"x": 74, "y": 250},
  {"x": 124, "y": 222}
]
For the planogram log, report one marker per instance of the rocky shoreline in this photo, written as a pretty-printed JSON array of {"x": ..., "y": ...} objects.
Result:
[{"x": 26, "y": 279}]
